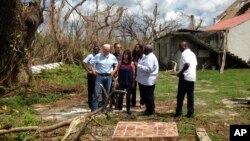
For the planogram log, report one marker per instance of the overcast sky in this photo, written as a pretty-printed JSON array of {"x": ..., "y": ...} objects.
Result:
[{"x": 169, "y": 9}]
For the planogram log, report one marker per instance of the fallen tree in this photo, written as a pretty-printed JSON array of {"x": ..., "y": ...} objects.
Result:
[{"x": 76, "y": 124}]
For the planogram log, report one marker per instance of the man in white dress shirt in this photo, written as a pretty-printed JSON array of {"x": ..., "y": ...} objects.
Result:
[
  {"x": 187, "y": 77},
  {"x": 147, "y": 72},
  {"x": 104, "y": 66}
]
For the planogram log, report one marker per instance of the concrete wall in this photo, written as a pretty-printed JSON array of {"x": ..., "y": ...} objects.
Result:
[
  {"x": 166, "y": 49},
  {"x": 239, "y": 41}
]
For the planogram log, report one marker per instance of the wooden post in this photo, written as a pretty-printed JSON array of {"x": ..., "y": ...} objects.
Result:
[{"x": 223, "y": 60}]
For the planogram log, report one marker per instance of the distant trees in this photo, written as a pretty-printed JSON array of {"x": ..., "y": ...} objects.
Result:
[
  {"x": 146, "y": 27},
  {"x": 66, "y": 33}
]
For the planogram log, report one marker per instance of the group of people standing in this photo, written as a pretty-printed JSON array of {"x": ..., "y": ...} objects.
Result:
[{"x": 139, "y": 66}]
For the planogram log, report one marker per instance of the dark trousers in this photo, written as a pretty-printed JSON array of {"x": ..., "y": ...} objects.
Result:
[
  {"x": 128, "y": 97},
  {"x": 185, "y": 87},
  {"x": 133, "y": 93},
  {"x": 142, "y": 102},
  {"x": 147, "y": 95},
  {"x": 91, "y": 87}
]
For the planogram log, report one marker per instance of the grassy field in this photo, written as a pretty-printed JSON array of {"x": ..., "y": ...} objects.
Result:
[{"x": 214, "y": 94}]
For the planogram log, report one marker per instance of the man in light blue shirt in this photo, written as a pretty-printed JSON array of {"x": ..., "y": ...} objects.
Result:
[
  {"x": 90, "y": 76},
  {"x": 147, "y": 72},
  {"x": 104, "y": 66}
]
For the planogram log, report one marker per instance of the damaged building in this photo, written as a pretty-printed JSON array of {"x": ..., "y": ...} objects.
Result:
[{"x": 228, "y": 39}]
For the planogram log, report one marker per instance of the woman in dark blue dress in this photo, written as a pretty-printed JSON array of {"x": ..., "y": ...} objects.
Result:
[{"x": 126, "y": 79}]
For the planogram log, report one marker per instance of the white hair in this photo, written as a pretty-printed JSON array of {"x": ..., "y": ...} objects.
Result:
[{"x": 107, "y": 46}]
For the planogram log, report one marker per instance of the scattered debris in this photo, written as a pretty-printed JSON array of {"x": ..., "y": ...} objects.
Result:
[
  {"x": 202, "y": 135},
  {"x": 236, "y": 102},
  {"x": 40, "y": 68}
]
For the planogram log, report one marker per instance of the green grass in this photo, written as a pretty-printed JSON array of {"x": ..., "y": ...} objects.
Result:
[
  {"x": 211, "y": 88},
  {"x": 210, "y": 113},
  {"x": 19, "y": 106},
  {"x": 68, "y": 75}
]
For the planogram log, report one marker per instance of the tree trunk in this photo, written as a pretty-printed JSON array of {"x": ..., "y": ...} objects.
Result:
[{"x": 18, "y": 25}]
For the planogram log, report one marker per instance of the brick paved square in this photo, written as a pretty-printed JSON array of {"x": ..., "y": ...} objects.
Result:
[{"x": 146, "y": 131}]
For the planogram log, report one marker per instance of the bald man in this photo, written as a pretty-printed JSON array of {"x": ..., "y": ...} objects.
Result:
[
  {"x": 104, "y": 66},
  {"x": 147, "y": 72},
  {"x": 90, "y": 75},
  {"x": 187, "y": 77}
]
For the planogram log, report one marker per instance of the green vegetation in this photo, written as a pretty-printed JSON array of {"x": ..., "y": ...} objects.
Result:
[
  {"x": 18, "y": 110},
  {"x": 211, "y": 89},
  {"x": 211, "y": 112},
  {"x": 67, "y": 75}
]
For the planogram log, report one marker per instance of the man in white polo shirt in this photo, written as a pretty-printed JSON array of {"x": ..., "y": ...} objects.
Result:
[{"x": 187, "y": 77}]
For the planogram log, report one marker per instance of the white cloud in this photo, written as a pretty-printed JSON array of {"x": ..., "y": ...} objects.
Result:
[
  {"x": 169, "y": 9},
  {"x": 172, "y": 15},
  {"x": 206, "y": 9}
]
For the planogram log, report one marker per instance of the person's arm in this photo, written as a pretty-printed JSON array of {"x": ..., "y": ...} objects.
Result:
[
  {"x": 133, "y": 74},
  {"x": 133, "y": 70},
  {"x": 114, "y": 71},
  {"x": 85, "y": 64},
  {"x": 118, "y": 67},
  {"x": 85, "y": 67},
  {"x": 185, "y": 66},
  {"x": 148, "y": 67},
  {"x": 115, "y": 68},
  {"x": 93, "y": 70},
  {"x": 93, "y": 64}
]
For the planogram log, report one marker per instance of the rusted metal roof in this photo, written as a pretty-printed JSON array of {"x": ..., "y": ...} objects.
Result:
[{"x": 229, "y": 23}]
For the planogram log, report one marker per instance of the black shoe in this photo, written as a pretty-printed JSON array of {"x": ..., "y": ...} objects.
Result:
[
  {"x": 189, "y": 115},
  {"x": 129, "y": 112},
  {"x": 145, "y": 113},
  {"x": 148, "y": 113},
  {"x": 142, "y": 102},
  {"x": 177, "y": 115}
]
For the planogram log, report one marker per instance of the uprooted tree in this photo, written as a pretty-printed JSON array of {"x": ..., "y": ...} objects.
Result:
[{"x": 18, "y": 25}]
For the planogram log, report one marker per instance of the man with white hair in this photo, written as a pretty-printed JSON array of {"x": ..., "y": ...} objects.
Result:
[{"x": 104, "y": 66}]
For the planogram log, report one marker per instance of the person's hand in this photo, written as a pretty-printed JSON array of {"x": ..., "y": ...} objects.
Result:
[
  {"x": 94, "y": 72},
  {"x": 135, "y": 63},
  {"x": 90, "y": 72},
  {"x": 112, "y": 73},
  {"x": 180, "y": 75}
]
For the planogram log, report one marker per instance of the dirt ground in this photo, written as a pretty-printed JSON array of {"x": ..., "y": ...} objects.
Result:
[{"x": 75, "y": 104}]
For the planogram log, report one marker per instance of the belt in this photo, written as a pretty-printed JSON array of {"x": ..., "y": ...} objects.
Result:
[{"x": 104, "y": 74}]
